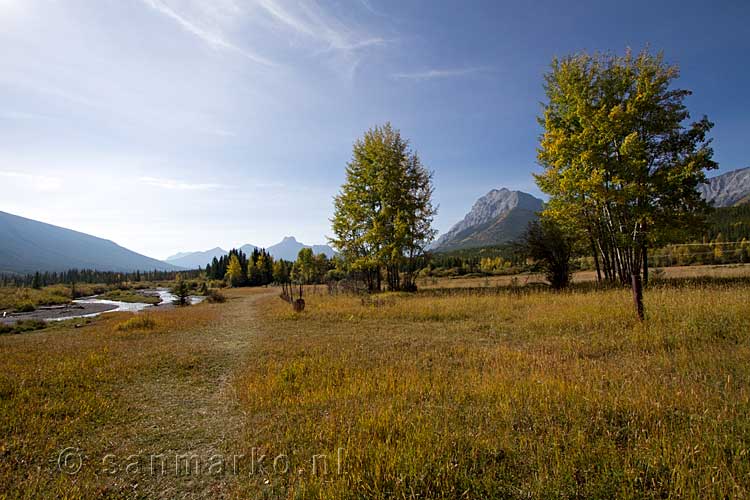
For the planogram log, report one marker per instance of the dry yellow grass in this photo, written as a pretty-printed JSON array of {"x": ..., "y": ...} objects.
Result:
[
  {"x": 442, "y": 394},
  {"x": 515, "y": 395},
  {"x": 121, "y": 394}
]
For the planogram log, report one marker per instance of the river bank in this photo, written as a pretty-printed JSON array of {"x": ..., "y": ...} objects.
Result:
[
  {"x": 57, "y": 313},
  {"x": 93, "y": 306}
]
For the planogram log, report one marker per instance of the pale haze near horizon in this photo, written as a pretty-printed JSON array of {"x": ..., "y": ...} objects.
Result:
[{"x": 171, "y": 126}]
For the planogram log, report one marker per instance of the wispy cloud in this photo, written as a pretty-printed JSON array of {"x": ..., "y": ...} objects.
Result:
[
  {"x": 212, "y": 38},
  {"x": 36, "y": 182},
  {"x": 330, "y": 33},
  {"x": 432, "y": 74},
  {"x": 312, "y": 21},
  {"x": 174, "y": 184},
  {"x": 368, "y": 6}
]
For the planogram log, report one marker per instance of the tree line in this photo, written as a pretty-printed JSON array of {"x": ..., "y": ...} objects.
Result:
[
  {"x": 236, "y": 269},
  {"x": 72, "y": 276}
]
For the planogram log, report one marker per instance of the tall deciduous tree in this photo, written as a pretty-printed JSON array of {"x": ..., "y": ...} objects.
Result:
[
  {"x": 383, "y": 213},
  {"x": 234, "y": 274},
  {"x": 304, "y": 269},
  {"x": 619, "y": 160}
]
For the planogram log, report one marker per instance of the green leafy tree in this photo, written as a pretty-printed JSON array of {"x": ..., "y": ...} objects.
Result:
[
  {"x": 619, "y": 161},
  {"x": 383, "y": 213},
  {"x": 281, "y": 272},
  {"x": 305, "y": 268}
]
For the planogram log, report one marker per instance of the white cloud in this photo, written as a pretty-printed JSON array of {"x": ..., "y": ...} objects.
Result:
[
  {"x": 35, "y": 182},
  {"x": 439, "y": 73},
  {"x": 174, "y": 184}
]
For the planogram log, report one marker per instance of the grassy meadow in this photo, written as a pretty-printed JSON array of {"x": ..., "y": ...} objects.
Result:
[
  {"x": 510, "y": 395},
  {"x": 447, "y": 393},
  {"x": 111, "y": 386}
]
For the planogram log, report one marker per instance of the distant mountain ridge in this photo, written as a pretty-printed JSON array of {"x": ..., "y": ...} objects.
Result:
[
  {"x": 286, "y": 249},
  {"x": 27, "y": 246},
  {"x": 729, "y": 189},
  {"x": 498, "y": 217},
  {"x": 289, "y": 247},
  {"x": 191, "y": 260}
]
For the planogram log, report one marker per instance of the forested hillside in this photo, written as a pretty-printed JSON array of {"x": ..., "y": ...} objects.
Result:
[{"x": 729, "y": 223}]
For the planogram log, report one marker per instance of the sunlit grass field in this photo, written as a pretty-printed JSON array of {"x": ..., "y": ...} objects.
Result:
[
  {"x": 508, "y": 395},
  {"x": 67, "y": 387},
  {"x": 468, "y": 393}
]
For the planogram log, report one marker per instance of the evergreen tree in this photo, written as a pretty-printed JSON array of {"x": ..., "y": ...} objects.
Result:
[
  {"x": 181, "y": 291},
  {"x": 37, "y": 281}
]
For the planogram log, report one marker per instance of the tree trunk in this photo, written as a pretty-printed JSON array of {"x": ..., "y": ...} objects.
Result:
[
  {"x": 638, "y": 295},
  {"x": 645, "y": 265},
  {"x": 596, "y": 261}
]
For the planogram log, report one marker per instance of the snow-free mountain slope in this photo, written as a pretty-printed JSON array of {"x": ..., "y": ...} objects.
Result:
[
  {"x": 27, "y": 246},
  {"x": 498, "y": 217}
]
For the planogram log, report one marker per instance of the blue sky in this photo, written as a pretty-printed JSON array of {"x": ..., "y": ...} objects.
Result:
[{"x": 170, "y": 125}]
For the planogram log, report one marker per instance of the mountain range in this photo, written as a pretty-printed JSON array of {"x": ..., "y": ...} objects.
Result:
[
  {"x": 27, "y": 246},
  {"x": 286, "y": 249},
  {"x": 502, "y": 215},
  {"x": 191, "y": 260},
  {"x": 498, "y": 217}
]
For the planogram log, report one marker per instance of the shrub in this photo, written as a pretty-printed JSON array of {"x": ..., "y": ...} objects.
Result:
[
  {"x": 139, "y": 322},
  {"x": 548, "y": 243},
  {"x": 216, "y": 297},
  {"x": 23, "y": 326},
  {"x": 25, "y": 306}
]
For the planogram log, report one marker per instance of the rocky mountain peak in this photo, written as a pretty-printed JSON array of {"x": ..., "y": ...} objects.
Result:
[
  {"x": 493, "y": 206},
  {"x": 727, "y": 189}
]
